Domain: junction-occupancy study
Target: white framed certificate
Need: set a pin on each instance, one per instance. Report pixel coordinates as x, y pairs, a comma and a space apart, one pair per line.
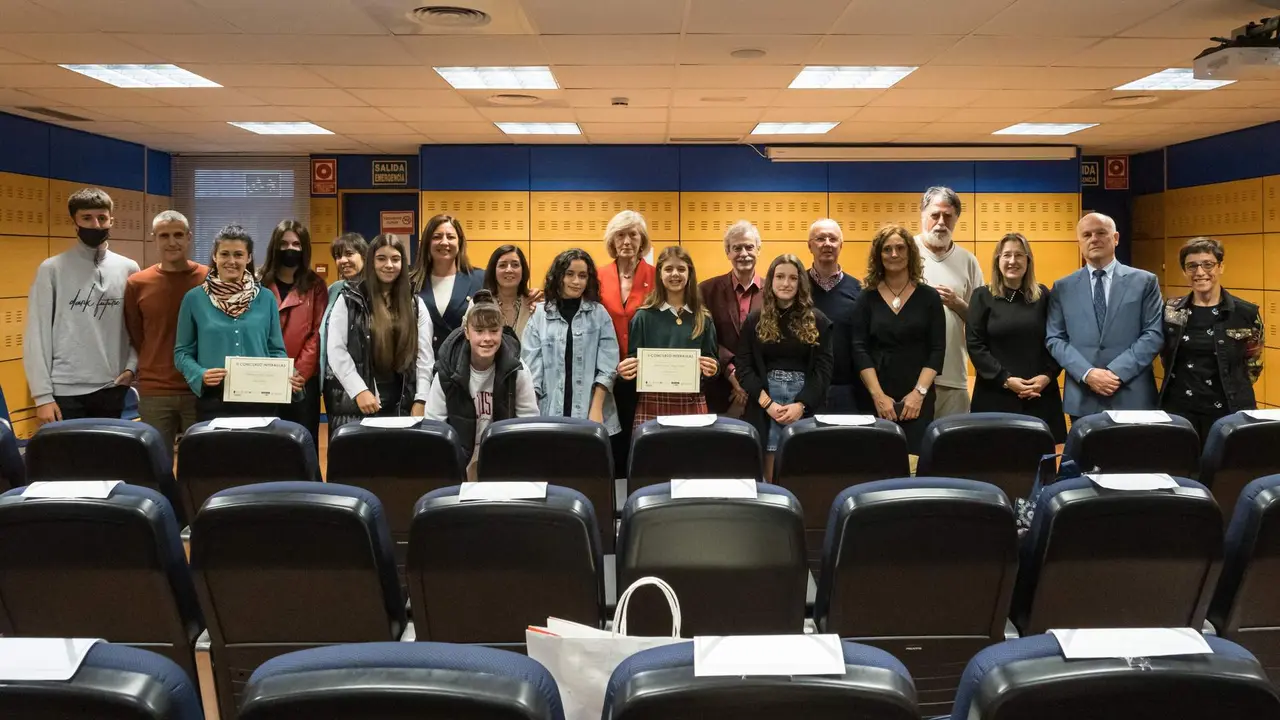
258, 380
668, 370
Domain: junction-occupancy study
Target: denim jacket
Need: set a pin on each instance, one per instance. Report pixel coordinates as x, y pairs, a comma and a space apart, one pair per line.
595, 360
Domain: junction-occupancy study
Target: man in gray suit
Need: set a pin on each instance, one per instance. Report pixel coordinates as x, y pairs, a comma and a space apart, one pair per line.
1105, 327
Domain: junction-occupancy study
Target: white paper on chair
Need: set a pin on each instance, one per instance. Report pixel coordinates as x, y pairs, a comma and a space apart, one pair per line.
241, 423
846, 419
96, 489
42, 658
686, 421
391, 422
1139, 417
1133, 481
702, 488
748, 655
1130, 642
1264, 414
502, 491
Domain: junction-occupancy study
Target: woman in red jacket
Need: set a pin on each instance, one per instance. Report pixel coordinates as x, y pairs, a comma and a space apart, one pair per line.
302, 298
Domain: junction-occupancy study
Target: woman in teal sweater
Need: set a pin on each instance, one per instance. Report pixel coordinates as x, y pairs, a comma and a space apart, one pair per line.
228, 315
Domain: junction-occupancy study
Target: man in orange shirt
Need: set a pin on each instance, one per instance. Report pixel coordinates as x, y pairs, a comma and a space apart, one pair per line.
151, 301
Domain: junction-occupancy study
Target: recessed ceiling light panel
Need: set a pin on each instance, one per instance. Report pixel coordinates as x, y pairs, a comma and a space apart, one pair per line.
143, 76
499, 78
1174, 79
515, 128
849, 77
1044, 128
794, 128
281, 128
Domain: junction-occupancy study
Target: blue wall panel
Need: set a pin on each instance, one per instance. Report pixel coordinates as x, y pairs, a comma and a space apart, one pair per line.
474, 167
96, 160
1249, 153
1146, 172
901, 176
739, 168
24, 146
604, 168
355, 172
159, 172
1039, 176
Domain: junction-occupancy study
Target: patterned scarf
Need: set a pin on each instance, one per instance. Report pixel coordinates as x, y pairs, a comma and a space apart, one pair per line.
232, 298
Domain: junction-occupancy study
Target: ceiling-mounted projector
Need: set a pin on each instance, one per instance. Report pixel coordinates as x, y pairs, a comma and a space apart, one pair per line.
1251, 53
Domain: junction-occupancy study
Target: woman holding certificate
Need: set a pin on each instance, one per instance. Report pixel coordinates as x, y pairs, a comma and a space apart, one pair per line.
673, 343
379, 342
785, 358
223, 324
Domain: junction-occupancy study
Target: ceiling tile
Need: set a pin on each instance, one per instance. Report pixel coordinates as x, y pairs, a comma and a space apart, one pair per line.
406, 77
527, 114
321, 114
814, 114
611, 49
718, 114
1136, 53
18, 97
735, 97
1011, 50
893, 97
1078, 18
763, 16
315, 97
107, 97
275, 49
604, 77
701, 129
603, 17
824, 98
450, 128
1027, 98
856, 129
1084, 115
943, 77
319, 17
442, 114
410, 98
368, 128
257, 113
495, 138
473, 50
779, 49
75, 48
880, 49
1163, 115
21, 16
899, 113
210, 97
958, 129
1198, 19
651, 139
1219, 99
733, 76
1007, 116
631, 115
916, 17
260, 76
216, 131
604, 98
151, 113
45, 76
7, 57
159, 16
644, 128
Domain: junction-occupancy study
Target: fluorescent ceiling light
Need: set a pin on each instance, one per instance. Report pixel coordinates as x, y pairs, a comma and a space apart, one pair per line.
1044, 128
1174, 79
514, 128
794, 128
499, 78
828, 77
143, 76
282, 128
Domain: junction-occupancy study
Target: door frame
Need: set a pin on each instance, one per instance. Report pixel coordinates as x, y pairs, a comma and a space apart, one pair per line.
342, 203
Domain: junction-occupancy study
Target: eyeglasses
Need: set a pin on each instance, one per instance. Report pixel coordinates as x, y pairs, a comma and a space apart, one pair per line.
1207, 266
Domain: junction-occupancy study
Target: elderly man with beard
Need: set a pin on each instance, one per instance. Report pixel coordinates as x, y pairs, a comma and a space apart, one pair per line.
955, 273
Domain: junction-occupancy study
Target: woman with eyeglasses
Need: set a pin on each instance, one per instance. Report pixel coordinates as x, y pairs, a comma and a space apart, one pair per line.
1213, 343
1006, 338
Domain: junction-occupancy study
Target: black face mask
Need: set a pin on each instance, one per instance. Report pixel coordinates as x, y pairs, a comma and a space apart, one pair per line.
290, 258
93, 237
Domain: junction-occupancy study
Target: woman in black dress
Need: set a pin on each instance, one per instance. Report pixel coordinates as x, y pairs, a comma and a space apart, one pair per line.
899, 334
1006, 331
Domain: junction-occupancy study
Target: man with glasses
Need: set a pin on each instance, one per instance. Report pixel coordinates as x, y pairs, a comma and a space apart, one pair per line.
835, 294
1104, 326
730, 298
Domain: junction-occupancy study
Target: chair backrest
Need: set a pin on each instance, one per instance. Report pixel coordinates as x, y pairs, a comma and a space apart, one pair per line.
1118, 558
1003, 449
483, 571
1097, 441
402, 681
660, 683
1028, 679
924, 568
13, 469
213, 459
1239, 450
110, 568
115, 682
817, 461
535, 448
737, 566
104, 449
727, 448
1245, 607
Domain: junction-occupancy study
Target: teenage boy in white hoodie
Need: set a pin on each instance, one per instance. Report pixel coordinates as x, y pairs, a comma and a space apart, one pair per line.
76, 350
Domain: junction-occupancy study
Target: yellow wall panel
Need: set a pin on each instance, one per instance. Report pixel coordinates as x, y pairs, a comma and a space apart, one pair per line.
322, 262
1039, 216
24, 423
153, 205
541, 253
14, 382
1173, 274
130, 205
1272, 389
478, 251
1271, 318
60, 224
1148, 217
22, 257
483, 215
324, 219
709, 260
1244, 266
1148, 255
1054, 260
24, 205
861, 215
132, 249
13, 321
1271, 203
1231, 208
1271, 261
778, 216
585, 215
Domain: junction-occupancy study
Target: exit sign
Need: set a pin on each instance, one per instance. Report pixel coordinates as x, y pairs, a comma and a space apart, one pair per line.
390, 173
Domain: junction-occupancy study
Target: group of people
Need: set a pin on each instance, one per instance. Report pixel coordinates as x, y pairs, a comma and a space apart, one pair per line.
437, 337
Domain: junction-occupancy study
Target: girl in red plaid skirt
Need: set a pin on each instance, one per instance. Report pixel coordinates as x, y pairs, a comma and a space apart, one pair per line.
672, 317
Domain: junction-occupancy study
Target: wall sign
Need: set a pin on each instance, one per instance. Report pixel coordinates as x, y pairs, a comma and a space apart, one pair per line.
1089, 173
396, 222
390, 173
324, 176
1117, 172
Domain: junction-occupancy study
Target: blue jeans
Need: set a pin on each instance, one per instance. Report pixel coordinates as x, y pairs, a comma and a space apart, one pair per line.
784, 386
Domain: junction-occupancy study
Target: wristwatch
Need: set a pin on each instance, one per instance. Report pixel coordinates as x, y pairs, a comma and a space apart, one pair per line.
924, 391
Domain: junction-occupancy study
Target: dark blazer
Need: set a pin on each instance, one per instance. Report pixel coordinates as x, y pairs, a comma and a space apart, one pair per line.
1240, 347
464, 286
750, 368
720, 298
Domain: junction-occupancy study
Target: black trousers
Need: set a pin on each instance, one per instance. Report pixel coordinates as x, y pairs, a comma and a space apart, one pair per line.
104, 403
306, 410
210, 405
624, 394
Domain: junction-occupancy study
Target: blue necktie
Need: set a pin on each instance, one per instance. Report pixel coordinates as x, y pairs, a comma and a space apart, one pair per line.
1099, 298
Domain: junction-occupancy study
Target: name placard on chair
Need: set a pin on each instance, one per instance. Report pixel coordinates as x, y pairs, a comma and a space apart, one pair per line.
241, 423
391, 422
481, 491
1138, 417
701, 488
55, 659
1094, 643
96, 489
1133, 481
786, 655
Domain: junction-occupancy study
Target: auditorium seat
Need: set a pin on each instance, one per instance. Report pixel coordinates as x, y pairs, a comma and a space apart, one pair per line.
1246, 607
727, 448
1028, 679
109, 568
1238, 450
1003, 449
401, 681
483, 571
214, 459
659, 684
284, 566
104, 449
1098, 443
923, 568
115, 682
399, 465
737, 566
817, 461
13, 469
1118, 558
570, 452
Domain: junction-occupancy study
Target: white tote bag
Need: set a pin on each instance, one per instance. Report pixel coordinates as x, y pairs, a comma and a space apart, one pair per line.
582, 658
